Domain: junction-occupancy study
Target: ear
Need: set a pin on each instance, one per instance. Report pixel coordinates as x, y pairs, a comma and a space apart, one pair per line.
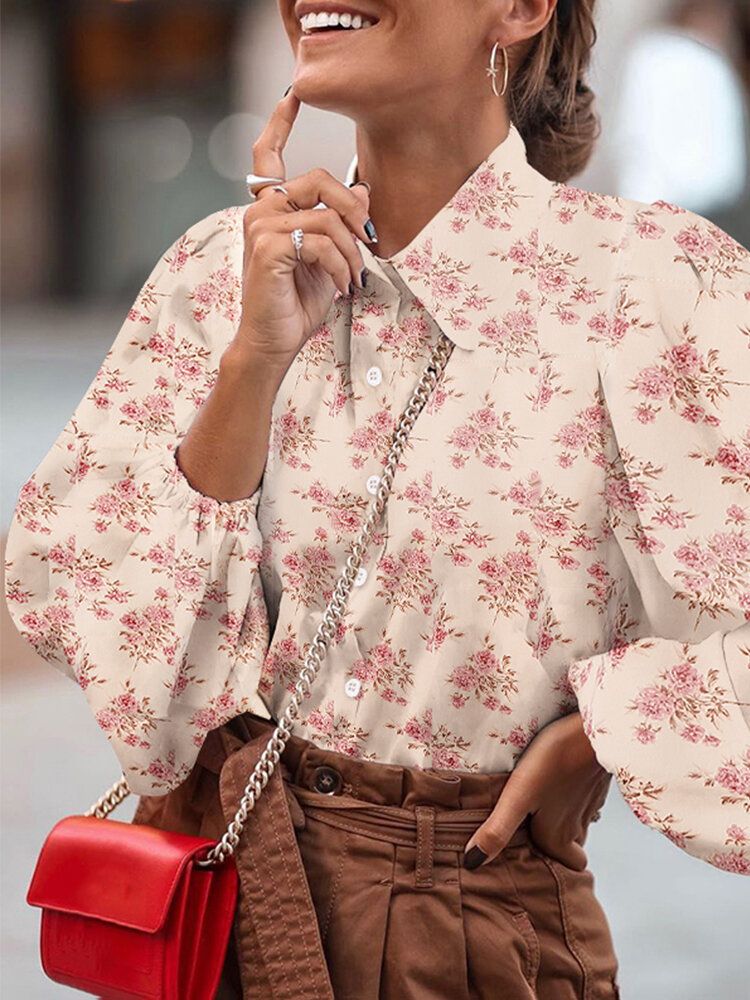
521, 20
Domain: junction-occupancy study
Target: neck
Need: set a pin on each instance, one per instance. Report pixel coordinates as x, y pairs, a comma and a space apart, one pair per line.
413, 172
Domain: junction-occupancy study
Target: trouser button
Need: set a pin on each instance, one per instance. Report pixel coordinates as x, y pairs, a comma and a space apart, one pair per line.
327, 780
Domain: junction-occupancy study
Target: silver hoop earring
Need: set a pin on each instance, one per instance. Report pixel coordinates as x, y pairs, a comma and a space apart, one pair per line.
492, 71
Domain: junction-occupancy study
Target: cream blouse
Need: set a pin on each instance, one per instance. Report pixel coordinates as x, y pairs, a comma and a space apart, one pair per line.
569, 527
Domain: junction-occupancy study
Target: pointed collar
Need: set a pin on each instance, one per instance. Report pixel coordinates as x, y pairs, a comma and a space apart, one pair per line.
454, 265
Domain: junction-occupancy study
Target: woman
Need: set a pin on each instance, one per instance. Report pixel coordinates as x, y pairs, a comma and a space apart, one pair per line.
558, 592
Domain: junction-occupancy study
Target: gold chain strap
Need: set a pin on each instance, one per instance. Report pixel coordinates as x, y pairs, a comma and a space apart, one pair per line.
270, 757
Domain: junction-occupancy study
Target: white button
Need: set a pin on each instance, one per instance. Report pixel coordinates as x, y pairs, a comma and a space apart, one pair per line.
372, 484
361, 576
352, 686
374, 375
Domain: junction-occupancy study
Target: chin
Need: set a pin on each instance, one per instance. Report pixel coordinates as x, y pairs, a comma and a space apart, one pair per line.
344, 95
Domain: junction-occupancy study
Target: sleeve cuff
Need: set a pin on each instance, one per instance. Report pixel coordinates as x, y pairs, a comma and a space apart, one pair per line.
206, 506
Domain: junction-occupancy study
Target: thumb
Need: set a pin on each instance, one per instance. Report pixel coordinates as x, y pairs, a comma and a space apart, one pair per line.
492, 836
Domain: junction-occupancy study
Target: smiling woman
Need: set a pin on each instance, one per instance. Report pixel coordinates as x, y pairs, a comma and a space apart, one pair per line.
443, 469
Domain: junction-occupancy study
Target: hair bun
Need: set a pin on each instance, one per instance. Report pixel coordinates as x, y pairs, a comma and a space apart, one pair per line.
551, 103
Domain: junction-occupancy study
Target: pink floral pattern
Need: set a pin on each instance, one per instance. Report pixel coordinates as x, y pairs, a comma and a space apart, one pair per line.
569, 526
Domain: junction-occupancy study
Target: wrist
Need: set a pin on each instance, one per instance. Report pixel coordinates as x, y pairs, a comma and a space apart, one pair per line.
256, 367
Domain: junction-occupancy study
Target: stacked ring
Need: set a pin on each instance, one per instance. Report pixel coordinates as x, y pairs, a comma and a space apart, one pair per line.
298, 236
255, 182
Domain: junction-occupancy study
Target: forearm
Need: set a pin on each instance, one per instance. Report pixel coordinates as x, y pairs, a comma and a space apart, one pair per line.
224, 452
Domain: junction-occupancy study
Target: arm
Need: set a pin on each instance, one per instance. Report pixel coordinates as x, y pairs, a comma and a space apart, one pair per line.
120, 572
667, 708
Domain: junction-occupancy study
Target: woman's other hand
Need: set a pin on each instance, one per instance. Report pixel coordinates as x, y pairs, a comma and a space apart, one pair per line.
285, 299
560, 782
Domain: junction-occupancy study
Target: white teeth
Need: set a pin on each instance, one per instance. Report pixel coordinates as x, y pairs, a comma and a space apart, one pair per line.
324, 19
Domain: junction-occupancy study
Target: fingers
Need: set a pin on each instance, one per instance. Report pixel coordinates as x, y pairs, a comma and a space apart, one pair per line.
275, 246
492, 836
268, 148
320, 249
330, 223
344, 255
352, 204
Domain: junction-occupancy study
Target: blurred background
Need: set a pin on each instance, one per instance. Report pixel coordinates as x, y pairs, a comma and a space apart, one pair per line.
124, 122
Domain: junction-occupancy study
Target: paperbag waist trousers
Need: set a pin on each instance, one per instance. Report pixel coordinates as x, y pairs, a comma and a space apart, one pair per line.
384, 909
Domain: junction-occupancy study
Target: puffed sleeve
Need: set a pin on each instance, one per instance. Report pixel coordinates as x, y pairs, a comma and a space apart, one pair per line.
667, 707
120, 574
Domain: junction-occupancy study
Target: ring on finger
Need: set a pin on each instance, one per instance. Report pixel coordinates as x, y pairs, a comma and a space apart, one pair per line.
364, 184
298, 237
256, 182
290, 200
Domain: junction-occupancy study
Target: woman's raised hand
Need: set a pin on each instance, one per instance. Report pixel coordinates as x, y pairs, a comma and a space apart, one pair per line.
285, 299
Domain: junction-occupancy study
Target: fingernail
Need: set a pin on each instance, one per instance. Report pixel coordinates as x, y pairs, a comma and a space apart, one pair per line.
371, 231
287, 90
474, 857
351, 288
363, 277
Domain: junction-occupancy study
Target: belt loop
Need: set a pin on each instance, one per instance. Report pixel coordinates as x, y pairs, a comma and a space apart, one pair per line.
425, 816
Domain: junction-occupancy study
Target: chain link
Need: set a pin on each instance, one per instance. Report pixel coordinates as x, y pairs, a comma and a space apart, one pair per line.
110, 800
271, 755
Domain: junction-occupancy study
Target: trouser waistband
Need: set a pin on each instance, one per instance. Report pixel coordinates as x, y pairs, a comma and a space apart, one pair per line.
376, 782
409, 806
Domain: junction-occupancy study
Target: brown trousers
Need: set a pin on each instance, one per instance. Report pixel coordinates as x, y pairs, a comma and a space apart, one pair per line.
352, 885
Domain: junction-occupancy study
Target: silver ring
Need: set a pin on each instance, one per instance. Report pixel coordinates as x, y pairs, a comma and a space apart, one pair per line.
298, 237
258, 182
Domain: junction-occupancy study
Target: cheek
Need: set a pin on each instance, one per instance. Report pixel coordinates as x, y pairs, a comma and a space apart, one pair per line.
443, 47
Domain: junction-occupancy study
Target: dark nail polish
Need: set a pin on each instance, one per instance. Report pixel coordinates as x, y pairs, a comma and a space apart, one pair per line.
371, 231
364, 277
474, 857
351, 288
287, 90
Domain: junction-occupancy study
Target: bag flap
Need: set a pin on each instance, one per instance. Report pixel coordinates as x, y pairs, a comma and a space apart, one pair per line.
123, 873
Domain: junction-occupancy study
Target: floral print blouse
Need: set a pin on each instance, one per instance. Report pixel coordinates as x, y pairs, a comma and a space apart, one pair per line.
569, 527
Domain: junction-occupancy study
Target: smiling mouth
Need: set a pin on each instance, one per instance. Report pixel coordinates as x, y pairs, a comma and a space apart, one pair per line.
335, 24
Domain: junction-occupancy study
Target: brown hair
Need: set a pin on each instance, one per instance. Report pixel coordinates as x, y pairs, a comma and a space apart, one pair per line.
550, 102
